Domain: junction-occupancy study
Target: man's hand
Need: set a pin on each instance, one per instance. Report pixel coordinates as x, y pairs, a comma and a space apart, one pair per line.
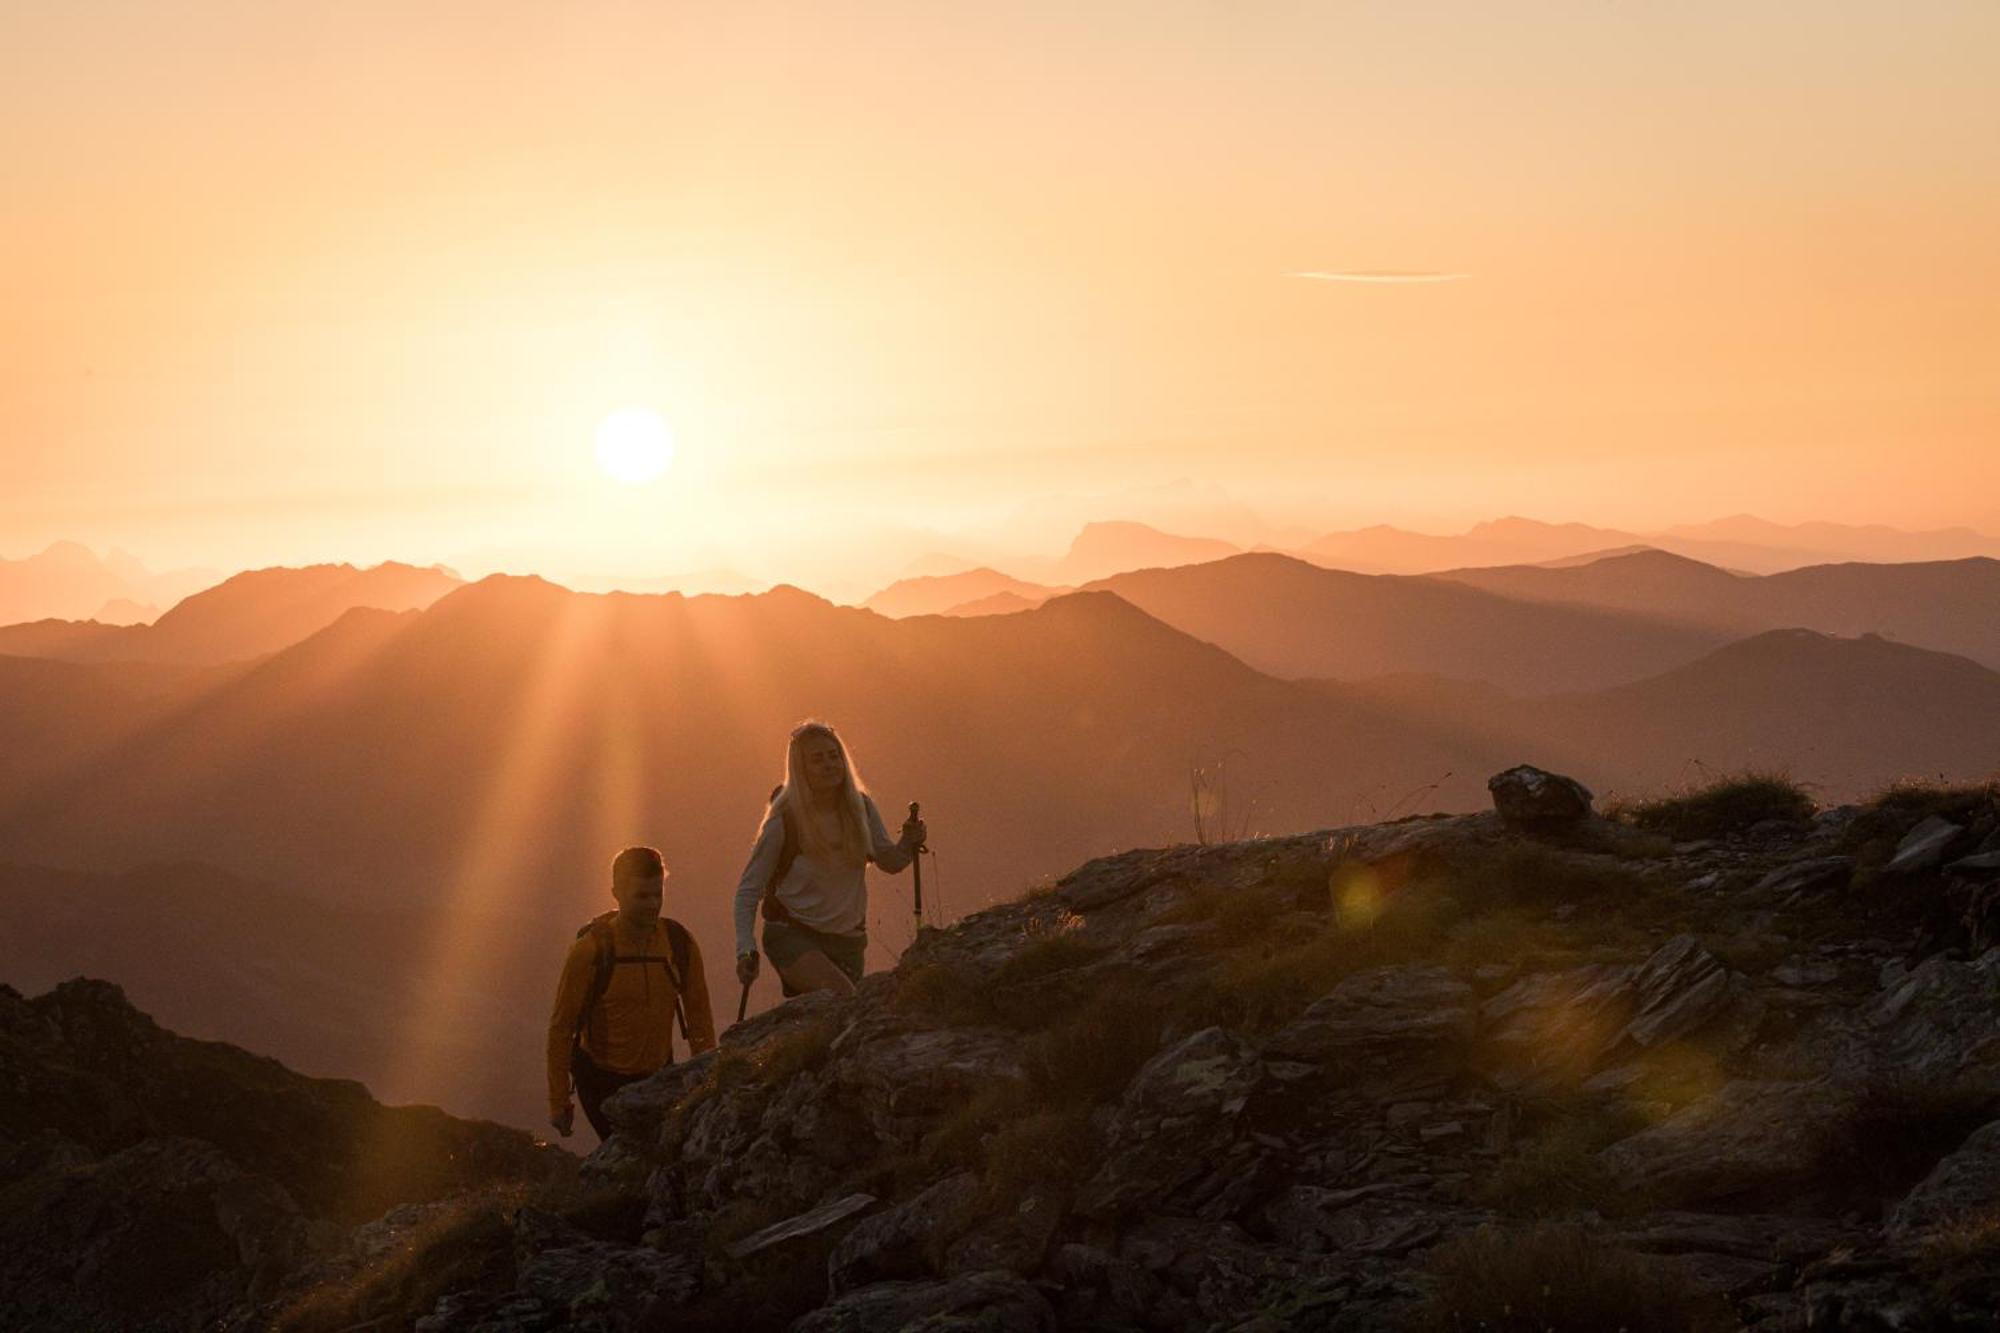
565, 1124
914, 834
746, 967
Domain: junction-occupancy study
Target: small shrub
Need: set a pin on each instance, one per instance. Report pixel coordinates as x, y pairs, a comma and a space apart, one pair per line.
1236, 913
946, 995
791, 1052
1049, 1147
959, 1141
1898, 1129
1052, 948
1727, 806
782, 1056
1267, 981
1961, 1262
1530, 874
1553, 1278
467, 1242
1093, 1053
1886, 816
1554, 1168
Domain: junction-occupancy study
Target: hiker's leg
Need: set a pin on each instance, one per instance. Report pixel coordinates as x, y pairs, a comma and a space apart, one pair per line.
591, 1090
813, 970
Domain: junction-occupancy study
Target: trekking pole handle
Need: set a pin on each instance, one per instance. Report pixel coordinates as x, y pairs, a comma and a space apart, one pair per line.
917, 870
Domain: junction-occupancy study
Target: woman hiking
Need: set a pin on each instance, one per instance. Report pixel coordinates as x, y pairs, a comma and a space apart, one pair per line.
807, 869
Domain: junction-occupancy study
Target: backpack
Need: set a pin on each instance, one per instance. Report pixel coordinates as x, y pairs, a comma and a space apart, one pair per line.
679, 944
772, 909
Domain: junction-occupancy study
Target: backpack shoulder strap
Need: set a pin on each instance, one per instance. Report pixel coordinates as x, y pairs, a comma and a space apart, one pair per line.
598, 928
679, 946
788, 852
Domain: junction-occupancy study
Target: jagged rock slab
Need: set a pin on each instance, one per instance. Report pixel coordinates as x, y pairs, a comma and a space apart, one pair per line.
808, 1223
1678, 990
1964, 1187
988, 1302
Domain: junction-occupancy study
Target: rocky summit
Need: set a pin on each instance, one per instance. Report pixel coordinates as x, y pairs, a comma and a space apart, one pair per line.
1716, 1062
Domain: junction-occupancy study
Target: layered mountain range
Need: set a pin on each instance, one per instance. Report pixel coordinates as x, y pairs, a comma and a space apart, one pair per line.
433, 792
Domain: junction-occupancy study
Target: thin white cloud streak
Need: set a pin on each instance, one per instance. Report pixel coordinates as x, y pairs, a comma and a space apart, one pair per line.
1378, 275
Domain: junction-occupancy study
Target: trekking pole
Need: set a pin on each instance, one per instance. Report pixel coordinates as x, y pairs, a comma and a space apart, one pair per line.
917, 869
743, 1005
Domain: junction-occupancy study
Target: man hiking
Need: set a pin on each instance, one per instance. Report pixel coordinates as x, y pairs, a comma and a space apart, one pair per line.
630, 978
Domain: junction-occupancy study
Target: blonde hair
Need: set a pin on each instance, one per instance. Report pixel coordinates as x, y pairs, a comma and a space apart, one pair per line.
854, 844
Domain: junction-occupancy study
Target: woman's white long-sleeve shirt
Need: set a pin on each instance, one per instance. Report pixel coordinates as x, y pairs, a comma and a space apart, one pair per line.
830, 898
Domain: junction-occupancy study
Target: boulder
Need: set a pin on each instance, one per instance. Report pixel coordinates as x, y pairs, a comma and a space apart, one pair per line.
601, 1286
901, 1082
1936, 1025
169, 1233
1923, 847
1385, 1011
1964, 1187
988, 1302
1749, 1138
1175, 1124
1535, 800
906, 1241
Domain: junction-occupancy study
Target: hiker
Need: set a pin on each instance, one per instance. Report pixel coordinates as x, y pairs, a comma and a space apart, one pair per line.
631, 976
806, 871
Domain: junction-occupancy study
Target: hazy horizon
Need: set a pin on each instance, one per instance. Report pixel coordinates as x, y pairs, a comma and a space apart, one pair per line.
364, 283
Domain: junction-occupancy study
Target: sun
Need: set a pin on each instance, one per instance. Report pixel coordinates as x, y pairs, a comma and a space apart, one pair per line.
635, 445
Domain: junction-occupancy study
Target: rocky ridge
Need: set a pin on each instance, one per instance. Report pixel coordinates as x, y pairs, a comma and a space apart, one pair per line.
1722, 1063
1368, 1078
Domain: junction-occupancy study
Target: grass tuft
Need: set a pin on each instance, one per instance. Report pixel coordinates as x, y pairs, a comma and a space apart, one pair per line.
1730, 805
1890, 813
1555, 1278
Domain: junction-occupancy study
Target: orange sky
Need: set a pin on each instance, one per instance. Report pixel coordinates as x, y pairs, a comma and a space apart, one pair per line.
303, 281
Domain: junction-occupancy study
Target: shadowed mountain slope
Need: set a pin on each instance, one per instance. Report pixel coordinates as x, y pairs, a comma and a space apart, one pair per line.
1297, 620
1952, 606
474, 766
1843, 713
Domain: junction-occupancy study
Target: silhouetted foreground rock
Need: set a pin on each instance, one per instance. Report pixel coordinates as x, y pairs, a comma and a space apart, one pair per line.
1439, 1073
152, 1181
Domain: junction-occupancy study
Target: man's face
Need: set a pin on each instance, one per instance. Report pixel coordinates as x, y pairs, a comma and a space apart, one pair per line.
639, 898
825, 769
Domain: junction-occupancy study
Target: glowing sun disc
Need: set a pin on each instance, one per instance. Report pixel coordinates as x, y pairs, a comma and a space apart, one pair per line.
634, 444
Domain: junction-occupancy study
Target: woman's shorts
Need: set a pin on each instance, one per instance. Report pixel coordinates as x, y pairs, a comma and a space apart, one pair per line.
785, 942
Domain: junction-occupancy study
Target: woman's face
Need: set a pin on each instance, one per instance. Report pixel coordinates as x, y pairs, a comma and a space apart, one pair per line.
826, 770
